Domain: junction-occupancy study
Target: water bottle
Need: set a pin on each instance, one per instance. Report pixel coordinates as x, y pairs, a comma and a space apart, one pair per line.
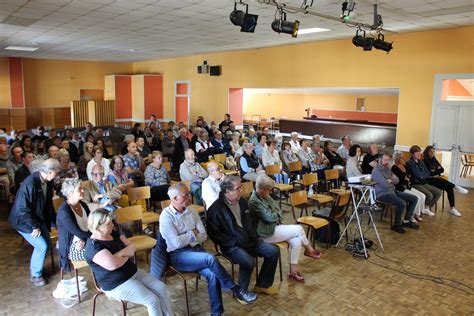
310, 191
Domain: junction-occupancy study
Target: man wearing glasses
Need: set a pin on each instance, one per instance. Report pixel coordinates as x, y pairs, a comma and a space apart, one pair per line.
231, 226
100, 193
211, 185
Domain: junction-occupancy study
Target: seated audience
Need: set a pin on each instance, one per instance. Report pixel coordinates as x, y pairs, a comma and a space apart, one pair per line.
181, 145
234, 143
97, 159
261, 146
134, 163
343, 150
157, 178
14, 163
101, 193
250, 167
53, 151
220, 144
321, 162
385, 191
184, 233
204, 147
353, 168
142, 148
84, 160
231, 226
67, 169
23, 172
4, 178
305, 156
211, 185
26, 144
39, 150
88, 131
370, 158
152, 140
295, 142
271, 157
227, 121
71, 222
288, 156
110, 257
271, 229
136, 130
119, 176
71, 148
100, 143
335, 161
193, 172
31, 215
252, 136
168, 143
404, 185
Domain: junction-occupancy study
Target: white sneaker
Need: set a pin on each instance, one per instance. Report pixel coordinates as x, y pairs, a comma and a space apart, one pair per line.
454, 212
461, 189
427, 211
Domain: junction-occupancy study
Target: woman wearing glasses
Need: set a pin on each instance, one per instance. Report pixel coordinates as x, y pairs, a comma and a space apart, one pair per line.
98, 159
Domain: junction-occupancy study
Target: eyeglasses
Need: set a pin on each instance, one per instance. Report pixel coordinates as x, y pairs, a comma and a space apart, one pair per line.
98, 174
239, 188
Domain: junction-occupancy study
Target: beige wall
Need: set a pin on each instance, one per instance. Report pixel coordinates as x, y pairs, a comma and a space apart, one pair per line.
293, 105
5, 96
54, 83
411, 67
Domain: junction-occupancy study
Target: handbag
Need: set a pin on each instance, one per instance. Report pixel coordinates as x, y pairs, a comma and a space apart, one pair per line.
67, 291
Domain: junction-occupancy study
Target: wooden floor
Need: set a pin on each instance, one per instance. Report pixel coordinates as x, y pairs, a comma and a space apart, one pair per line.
337, 284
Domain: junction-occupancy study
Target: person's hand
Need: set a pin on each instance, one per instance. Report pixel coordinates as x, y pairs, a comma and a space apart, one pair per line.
36, 233
97, 197
195, 232
80, 245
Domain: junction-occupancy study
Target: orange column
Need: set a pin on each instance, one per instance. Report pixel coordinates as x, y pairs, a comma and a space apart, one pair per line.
123, 97
153, 96
17, 92
236, 105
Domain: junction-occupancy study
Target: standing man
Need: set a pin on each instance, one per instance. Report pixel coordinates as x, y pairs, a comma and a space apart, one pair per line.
31, 215
211, 185
231, 226
385, 191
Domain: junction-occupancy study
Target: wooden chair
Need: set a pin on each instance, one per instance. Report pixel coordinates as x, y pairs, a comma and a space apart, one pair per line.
300, 199
311, 179
295, 168
134, 214
247, 189
198, 208
232, 263
281, 245
221, 158
467, 162
76, 265
279, 187
185, 276
143, 194
332, 182
57, 201
385, 208
167, 166
336, 212
100, 292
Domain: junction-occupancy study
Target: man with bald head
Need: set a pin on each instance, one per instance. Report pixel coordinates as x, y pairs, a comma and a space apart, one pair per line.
101, 193
211, 185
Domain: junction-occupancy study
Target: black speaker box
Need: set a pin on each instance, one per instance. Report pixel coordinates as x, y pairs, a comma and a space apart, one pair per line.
215, 70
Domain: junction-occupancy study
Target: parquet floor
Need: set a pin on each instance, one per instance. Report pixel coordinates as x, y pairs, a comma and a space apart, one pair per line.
337, 284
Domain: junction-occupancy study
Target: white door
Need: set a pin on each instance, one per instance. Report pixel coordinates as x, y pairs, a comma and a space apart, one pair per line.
446, 123
466, 129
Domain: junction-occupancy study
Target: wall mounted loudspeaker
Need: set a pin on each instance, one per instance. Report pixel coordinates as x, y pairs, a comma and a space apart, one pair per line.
203, 69
215, 71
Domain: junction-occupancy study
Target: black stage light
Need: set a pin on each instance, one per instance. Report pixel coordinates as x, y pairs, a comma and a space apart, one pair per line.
381, 44
362, 41
246, 21
281, 25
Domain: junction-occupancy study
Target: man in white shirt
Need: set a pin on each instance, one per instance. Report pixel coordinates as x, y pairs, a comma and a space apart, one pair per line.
183, 231
211, 185
295, 142
343, 150
193, 172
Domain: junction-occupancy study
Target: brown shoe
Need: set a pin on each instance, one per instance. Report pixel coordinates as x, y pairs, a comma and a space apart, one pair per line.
315, 254
296, 276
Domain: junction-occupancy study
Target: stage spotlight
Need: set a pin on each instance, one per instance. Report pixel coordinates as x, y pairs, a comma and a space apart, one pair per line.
281, 25
246, 21
381, 44
361, 41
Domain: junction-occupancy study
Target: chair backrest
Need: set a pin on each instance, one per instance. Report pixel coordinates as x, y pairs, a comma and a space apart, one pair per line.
187, 183
339, 206
310, 179
57, 202
165, 204
129, 214
140, 193
295, 166
331, 174
85, 184
167, 165
299, 197
247, 189
220, 158
272, 169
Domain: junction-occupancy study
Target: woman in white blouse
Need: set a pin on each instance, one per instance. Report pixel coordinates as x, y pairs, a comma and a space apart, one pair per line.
270, 156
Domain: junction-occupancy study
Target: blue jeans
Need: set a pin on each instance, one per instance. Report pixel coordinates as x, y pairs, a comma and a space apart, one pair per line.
196, 190
281, 177
400, 200
196, 259
40, 245
245, 258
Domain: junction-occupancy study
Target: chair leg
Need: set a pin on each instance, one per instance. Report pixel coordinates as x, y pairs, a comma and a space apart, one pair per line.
61, 273
442, 202
186, 297
345, 224
94, 300
281, 270
124, 308
52, 258
328, 238
76, 274
256, 268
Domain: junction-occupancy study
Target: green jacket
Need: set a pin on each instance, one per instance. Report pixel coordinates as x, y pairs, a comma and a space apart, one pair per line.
267, 213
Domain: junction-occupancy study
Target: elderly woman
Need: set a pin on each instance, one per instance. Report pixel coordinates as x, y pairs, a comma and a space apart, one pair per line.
157, 178
98, 159
109, 256
72, 223
100, 192
234, 143
306, 156
271, 230
288, 156
271, 157
84, 160
119, 176
250, 167
404, 185
67, 169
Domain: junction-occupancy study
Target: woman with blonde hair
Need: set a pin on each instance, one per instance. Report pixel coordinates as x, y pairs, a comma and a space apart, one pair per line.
67, 169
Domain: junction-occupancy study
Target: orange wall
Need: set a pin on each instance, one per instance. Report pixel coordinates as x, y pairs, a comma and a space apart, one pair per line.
123, 97
5, 96
293, 105
54, 83
153, 90
411, 67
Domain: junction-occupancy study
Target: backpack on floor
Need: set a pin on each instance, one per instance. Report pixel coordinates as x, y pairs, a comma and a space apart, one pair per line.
322, 233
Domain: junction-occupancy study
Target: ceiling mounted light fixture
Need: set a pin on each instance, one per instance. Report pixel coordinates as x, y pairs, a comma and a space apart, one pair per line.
381, 44
246, 21
22, 48
361, 41
281, 25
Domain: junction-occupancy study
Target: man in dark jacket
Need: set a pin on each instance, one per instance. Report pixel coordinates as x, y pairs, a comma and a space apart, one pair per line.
181, 145
231, 226
31, 215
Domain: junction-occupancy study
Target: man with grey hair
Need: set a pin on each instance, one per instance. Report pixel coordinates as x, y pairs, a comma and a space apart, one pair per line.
231, 226
101, 193
211, 185
32, 212
343, 150
193, 172
184, 233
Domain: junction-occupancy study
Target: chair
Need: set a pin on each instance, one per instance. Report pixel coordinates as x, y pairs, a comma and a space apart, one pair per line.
76, 265
167, 166
295, 167
232, 263
57, 201
247, 189
279, 187
300, 199
385, 208
281, 245
143, 194
185, 276
134, 214
198, 208
100, 292
311, 179
336, 212
332, 179
221, 158
467, 162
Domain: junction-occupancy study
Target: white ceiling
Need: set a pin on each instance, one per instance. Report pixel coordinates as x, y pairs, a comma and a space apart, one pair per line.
134, 30
354, 90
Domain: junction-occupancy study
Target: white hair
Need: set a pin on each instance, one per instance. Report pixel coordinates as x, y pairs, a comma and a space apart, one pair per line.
264, 182
175, 190
48, 165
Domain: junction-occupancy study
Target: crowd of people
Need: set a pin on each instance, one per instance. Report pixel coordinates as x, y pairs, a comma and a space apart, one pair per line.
33, 169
